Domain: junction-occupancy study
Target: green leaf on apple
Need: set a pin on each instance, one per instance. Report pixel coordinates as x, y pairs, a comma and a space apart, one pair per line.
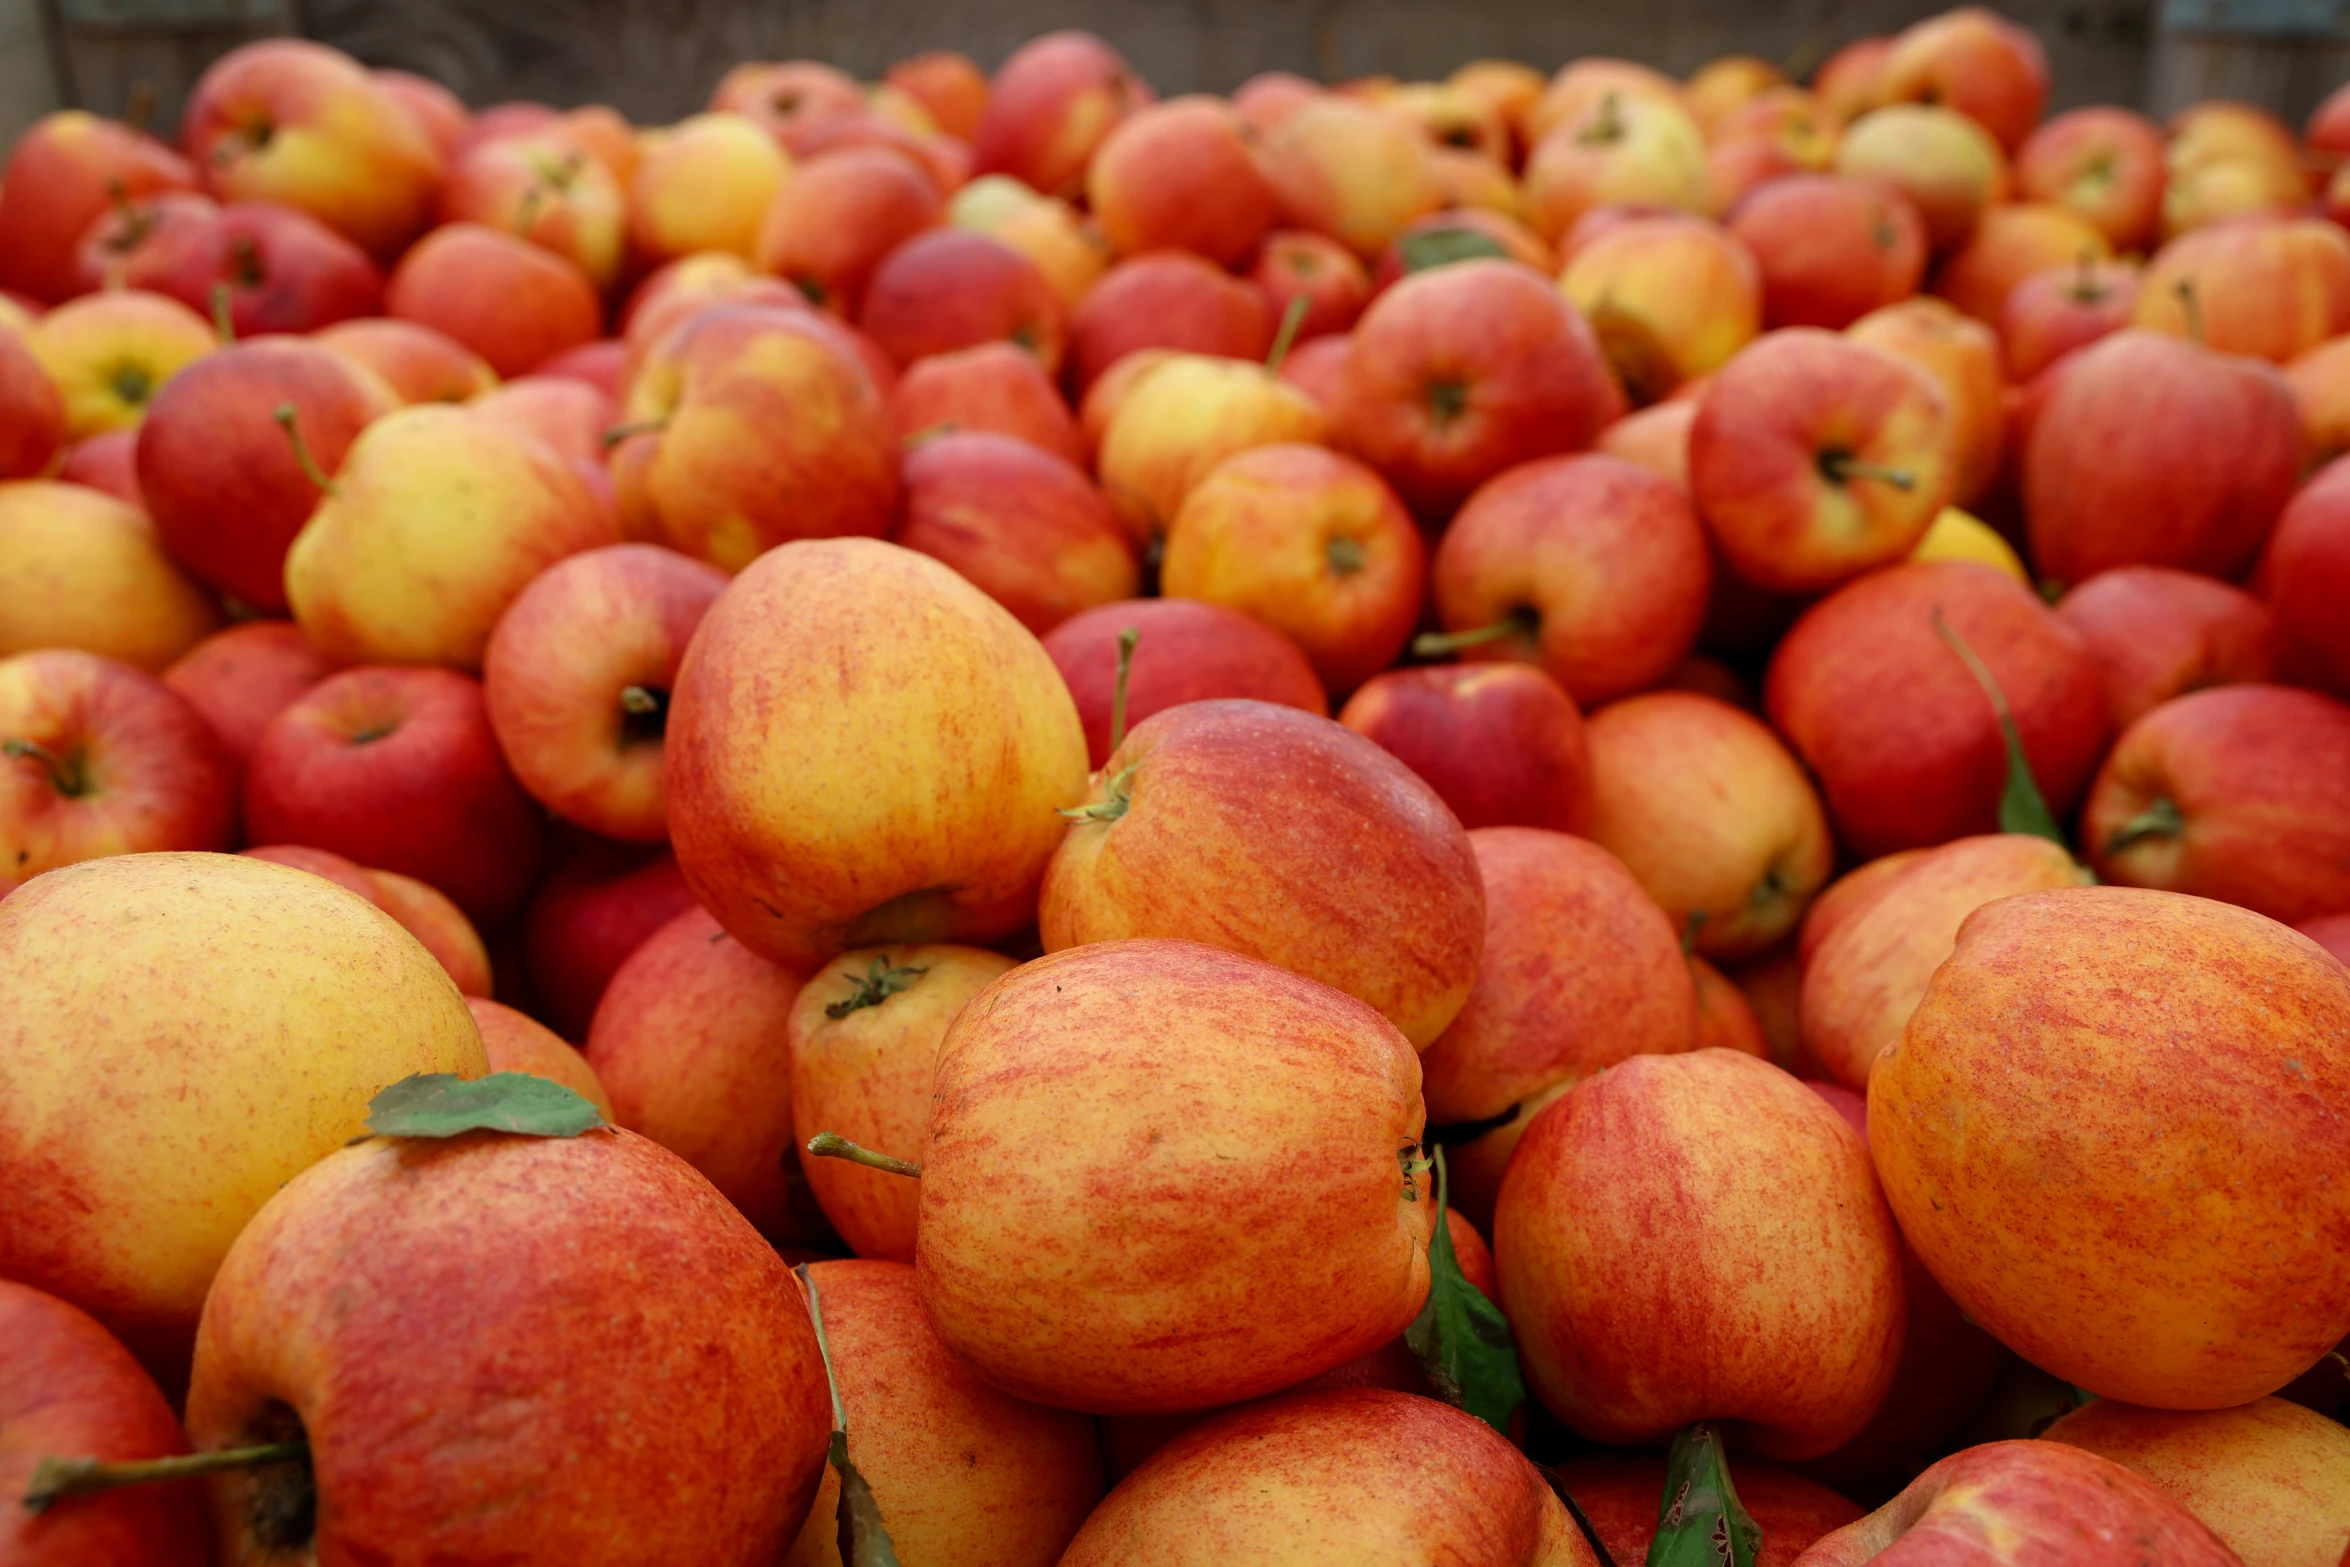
1463, 1342
1699, 1520
1443, 246
2022, 808
442, 1104
862, 1539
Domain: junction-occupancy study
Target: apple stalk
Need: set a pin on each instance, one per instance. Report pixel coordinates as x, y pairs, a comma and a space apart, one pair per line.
56, 1478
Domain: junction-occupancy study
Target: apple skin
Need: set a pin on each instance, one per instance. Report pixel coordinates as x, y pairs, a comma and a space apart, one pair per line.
1300, 264
514, 303
2051, 313
2257, 779
993, 387
598, 364
146, 773
1283, 836
1670, 296
1291, 1181
704, 184
1618, 1492
942, 682
947, 84
110, 353
2268, 288
2306, 571
59, 179
1183, 416
1523, 1039
838, 216
1974, 60
1945, 163
218, 473
1962, 355
285, 271
2158, 633
1180, 175
419, 364
1713, 815
502, 1443
1048, 107
1783, 1230
81, 569
2177, 1200
241, 677
600, 903
1500, 744
586, 630
1362, 1474
1025, 527
106, 463
2041, 1501
1050, 232
1185, 651
1628, 150
950, 288
73, 1390
2105, 163
548, 189
2010, 243
1905, 746
433, 918
1349, 170
1462, 371
2320, 380
32, 413
1865, 978
159, 997
1655, 438
1831, 249
399, 768
1169, 300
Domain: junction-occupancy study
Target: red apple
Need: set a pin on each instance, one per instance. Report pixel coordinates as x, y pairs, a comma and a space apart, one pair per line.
1048, 107
1024, 526
2157, 633
1975, 61
61, 176
1180, 175
32, 414
2306, 572
596, 364
838, 216
2051, 313
548, 189
1501, 744
1318, 368
107, 462
1173, 300
591, 912
948, 85
950, 288
2010, 243
2330, 931
1185, 651
1298, 264
419, 364
994, 387
508, 300
2105, 164
240, 678
283, 270
441, 112
1831, 249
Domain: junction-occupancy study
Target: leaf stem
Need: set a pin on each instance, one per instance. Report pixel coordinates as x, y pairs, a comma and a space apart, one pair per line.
831, 1145
54, 1478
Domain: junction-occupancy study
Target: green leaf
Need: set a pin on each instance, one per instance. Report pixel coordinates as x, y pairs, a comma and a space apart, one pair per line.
1442, 247
862, 1539
441, 1104
2022, 808
1462, 1340
1700, 1521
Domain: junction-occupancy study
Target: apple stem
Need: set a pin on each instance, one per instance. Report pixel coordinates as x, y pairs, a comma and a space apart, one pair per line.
1114, 803
1291, 319
61, 1477
2159, 820
64, 776
290, 422
929, 432
831, 1145
621, 432
222, 322
1843, 468
1126, 642
1436, 644
2191, 307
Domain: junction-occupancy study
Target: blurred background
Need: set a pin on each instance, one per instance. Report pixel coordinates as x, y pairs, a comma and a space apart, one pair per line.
656, 60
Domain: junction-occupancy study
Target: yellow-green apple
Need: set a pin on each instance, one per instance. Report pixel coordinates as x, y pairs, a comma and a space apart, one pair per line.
1620, 1493
1280, 835
433, 918
1170, 300
436, 519
1618, 149
98, 758
399, 768
549, 190
1831, 249
2270, 1478
1025, 527
2157, 633
2012, 241
1846, 81
1501, 744
1709, 811
1185, 651
599, 904
1581, 84
704, 183
837, 216
1462, 371
2183, 1200
2104, 163
690, 1040
950, 288
1348, 170
1593, 568
1299, 264
284, 271
63, 174
2227, 160
864, 1037
2027, 1501
241, 677
440, 112
69, 1389
1523, 1039
227, 491
2270, 287
1782, 1229
524, 1432
81, 569
419, 364
1048, 107
995, 387
1905, 744
950, 88
111, 353
2149, 450
1963, 356
1185, 416
1073, 1273
850, 657
1790, 118
517, 1042
1309, 542
1866, 976
1669, 297
2320, 380
158, 997
1181, 175
1815, 457
32, 413
515, 303
1356, 1474
2051, 313
1975, 61
1656, 439
1943, 161
1063, 243
297, 123
2237, 793
959, 1472
2304, 574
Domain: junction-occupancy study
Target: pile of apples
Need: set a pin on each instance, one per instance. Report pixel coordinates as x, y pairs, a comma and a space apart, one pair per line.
679, 889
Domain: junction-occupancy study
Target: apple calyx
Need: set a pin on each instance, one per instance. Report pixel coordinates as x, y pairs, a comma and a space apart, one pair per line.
137, 221
1447, 401
831, 1145
57, 1478
1838, 466
2086, 290
2022, 808
66, 774
247, 261
290, 422
861, 1538
622, 431
1291, 319
132, 384
876, 985
1519, 622
1115, 800
1346, 556
2162, 819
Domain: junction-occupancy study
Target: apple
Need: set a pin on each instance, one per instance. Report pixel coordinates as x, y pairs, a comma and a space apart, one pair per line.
1831, 249
1905, 745
2308, 562
1299, 264
433, 918
1722, 86
157, 998
2051, 313
1974, 61
1943, 161
440, 112
599, 903
1185, 651
1170, 300
1024, 526
1048, 107
419, 364
1629, 149
513, 302
1656, 439
549, 190
993, 387
2272, 288
284, 270
949, 87
2010, 243
2046, 1028
837, 217
2157, 633
290, 121
1501, 744
1180, 175
1318, 368
1620, 1494
333, 867
1796, 121
1348, 170
1581, 85
107, 463
1277, 834
32, 413
1182, 418
2105, 164
111, 353
61, 176
81, 569
784, 95
2320, 380
398, 768
1050, 232
705, 183
498, 1241
1963, 357
2228, 160
570, 415
1669, 297
241, 677
1511, 87
1269, 97
597, 364
1516, 241
949, 288
1846, 81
